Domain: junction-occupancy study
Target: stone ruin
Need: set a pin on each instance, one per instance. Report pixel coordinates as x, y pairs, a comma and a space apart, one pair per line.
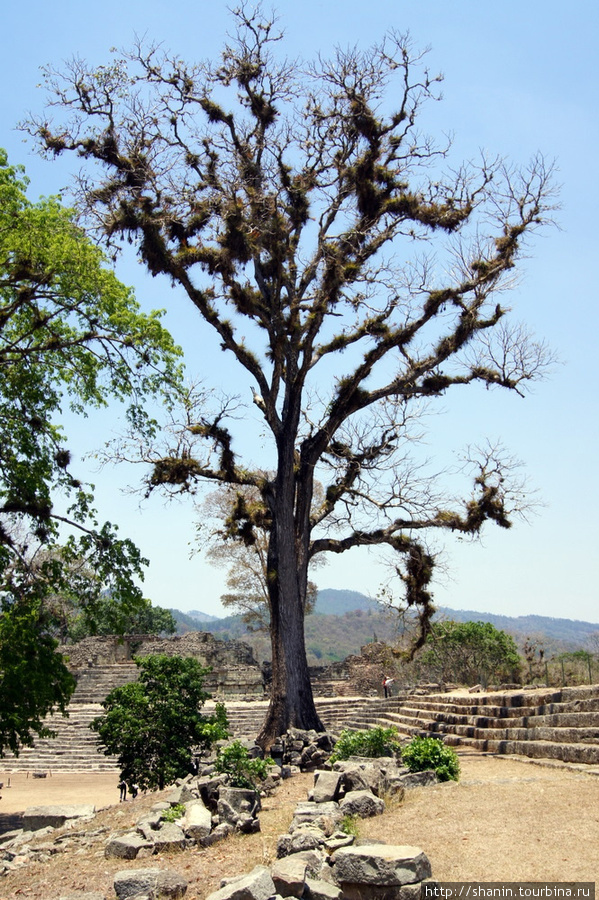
235, 671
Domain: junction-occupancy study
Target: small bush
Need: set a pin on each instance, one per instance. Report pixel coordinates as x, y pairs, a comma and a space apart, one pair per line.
372, 742
174, 813
431, 753
349, 825
243, 771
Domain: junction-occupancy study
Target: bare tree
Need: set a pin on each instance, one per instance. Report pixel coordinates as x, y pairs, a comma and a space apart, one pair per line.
348, 271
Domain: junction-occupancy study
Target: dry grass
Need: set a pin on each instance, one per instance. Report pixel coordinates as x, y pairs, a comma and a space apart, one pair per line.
505, 820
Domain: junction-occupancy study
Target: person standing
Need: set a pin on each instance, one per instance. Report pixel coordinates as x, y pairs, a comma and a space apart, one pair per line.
123, 790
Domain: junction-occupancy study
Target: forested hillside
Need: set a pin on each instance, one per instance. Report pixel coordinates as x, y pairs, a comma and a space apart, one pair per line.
343, 621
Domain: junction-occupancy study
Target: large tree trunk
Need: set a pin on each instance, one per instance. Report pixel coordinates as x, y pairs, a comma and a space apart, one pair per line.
291, 701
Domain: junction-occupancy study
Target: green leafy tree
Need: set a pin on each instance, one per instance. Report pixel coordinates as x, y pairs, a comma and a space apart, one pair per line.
70, 335
106, 617
154, 725
300, 208
34, 679
471, 652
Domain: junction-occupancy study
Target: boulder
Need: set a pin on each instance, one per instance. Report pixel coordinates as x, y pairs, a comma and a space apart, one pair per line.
159, 884
418, 779
37, 817
321, 890
289, 876
126, 846
308, 837
326, 787
325, 816
379, 865
169, 838
181, 794
258, 885
232, 802
208, 787
197, 821
362, 803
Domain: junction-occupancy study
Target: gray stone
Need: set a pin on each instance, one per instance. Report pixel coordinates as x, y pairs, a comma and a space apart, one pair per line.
237, 800
362, 803
326, 787
308, 837
381, 865
289, 876
315, 861
158, 884
37, 817
197, 821
324, 815
181, 794
418, 779
258, 885
169, 837
151, 819
338, 840
316, 889
208, 788
218, 834
248, 824
126, 846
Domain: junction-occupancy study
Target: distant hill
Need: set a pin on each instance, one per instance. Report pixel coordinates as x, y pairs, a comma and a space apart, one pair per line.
343, 621
335, 603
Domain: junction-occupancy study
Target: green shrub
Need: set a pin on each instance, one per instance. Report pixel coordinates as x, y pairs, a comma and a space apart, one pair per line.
349, 825
174, 813
372, 742
243, 771
431, 753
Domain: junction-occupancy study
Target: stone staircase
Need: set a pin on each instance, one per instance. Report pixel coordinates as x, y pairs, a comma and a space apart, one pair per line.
74, 749
542, 724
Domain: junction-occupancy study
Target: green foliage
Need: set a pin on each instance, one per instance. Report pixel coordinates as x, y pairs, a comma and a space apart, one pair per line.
424, 753
243, 771
471, 652
174, 813
349, 825
374, 742
154, 725
70, 335
34, 678
107, 616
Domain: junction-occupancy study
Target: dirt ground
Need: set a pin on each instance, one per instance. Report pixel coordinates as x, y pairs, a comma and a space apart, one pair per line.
506, 820
99, 789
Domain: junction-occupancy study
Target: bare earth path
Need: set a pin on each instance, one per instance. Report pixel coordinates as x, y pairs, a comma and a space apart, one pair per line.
506, 820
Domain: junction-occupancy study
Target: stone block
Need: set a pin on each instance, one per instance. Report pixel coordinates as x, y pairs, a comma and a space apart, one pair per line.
37, 817
258, 885
169, 838
289, 876
362, 803
197, 821
379, 865
326, 787
160, 884
126, 846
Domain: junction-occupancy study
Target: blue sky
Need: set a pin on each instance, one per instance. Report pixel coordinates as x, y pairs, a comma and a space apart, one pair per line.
517, 80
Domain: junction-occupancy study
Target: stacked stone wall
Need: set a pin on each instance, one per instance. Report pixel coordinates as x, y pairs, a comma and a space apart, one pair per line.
235, 671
